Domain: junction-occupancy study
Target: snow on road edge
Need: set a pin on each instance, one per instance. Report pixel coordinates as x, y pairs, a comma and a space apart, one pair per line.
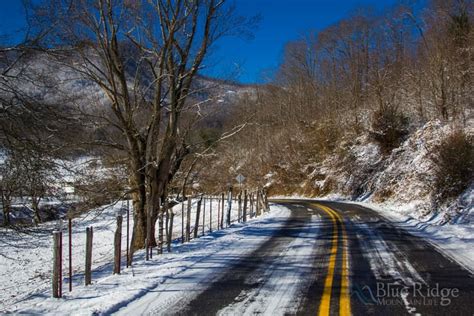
453, 240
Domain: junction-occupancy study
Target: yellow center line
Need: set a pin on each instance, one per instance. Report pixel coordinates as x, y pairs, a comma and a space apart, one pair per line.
325, 304
344, 299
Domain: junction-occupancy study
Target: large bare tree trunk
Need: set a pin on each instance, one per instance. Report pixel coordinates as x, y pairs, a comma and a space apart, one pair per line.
139, 226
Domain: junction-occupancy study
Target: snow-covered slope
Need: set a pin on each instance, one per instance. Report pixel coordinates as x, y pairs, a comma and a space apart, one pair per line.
403, 179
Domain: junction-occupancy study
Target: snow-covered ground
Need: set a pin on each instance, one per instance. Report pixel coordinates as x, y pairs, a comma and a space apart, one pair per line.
26, 255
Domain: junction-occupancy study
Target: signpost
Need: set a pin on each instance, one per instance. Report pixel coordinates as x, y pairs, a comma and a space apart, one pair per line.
240, 179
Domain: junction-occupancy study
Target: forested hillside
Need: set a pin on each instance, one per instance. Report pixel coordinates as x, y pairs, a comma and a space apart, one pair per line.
377, 105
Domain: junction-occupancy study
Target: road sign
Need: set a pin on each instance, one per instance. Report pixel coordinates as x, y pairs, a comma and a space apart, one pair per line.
240, 178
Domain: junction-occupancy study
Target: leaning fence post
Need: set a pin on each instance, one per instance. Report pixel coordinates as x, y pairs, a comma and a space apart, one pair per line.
88, 272
56, 263
117, 245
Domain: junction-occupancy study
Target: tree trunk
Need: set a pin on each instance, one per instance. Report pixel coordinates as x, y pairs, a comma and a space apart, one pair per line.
118, 245
139, 224
6, 212
137, 183
35, 207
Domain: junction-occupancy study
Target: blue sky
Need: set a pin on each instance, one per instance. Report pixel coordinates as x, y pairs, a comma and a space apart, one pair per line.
242, 59
283, 20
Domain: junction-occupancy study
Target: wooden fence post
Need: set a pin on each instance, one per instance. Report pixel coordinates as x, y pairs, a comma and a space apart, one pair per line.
161, 232
128, 232
198, 214
118, 245
61, 263
254, 206
222, 210
188, 221
251, 204
56, 263
182, 222
239, 211
171, 220
88, 269
218, 213
244, 215
70, 251
166, 212
210, 213
229, 207
257, 206
203, 214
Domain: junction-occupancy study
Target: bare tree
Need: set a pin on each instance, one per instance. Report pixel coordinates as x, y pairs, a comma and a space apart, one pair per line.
144, 57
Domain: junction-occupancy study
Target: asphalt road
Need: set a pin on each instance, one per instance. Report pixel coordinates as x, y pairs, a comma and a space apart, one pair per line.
361, 264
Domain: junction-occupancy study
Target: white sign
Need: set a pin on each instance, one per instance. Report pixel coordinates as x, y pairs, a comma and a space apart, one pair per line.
240, 178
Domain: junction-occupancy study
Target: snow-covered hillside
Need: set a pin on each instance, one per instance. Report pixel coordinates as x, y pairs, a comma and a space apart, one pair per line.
402, 181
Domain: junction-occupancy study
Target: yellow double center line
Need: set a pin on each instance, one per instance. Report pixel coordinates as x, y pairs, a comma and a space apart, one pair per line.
344, 299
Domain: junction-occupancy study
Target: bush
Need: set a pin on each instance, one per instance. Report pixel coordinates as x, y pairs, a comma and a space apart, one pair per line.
454, 164
389, 128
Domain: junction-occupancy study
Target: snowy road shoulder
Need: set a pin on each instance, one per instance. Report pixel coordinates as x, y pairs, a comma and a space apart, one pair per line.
165, 280
455, 241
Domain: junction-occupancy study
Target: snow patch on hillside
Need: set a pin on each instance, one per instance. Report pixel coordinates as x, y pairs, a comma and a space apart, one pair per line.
404, 178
